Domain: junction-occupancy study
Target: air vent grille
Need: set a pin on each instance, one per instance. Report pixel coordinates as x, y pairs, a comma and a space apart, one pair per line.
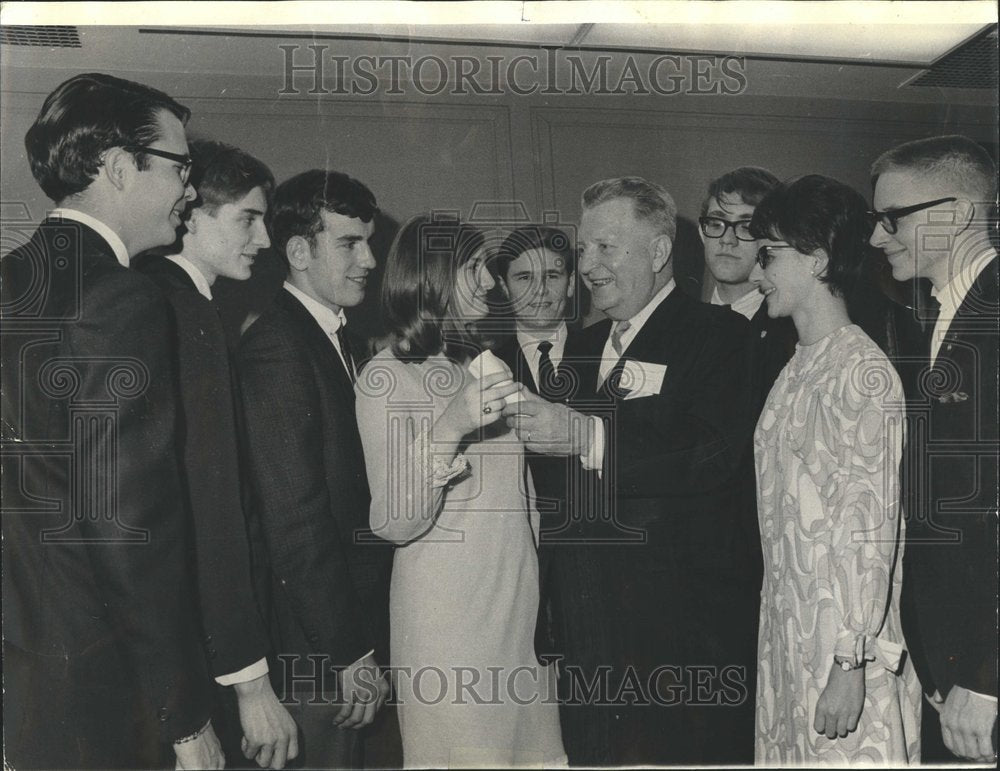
47, 37
973, 65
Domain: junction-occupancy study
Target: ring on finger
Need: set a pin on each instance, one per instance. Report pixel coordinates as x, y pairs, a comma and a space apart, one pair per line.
487, 410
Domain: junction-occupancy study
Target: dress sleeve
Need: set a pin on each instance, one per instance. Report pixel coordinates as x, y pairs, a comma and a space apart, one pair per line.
854, 474
408, 479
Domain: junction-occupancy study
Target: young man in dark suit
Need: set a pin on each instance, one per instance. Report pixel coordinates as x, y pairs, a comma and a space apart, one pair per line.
536, 269
223, 232
325, 574
103, 663
935, 213
663, 382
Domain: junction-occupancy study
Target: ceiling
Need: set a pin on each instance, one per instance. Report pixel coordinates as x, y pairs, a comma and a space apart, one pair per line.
877, 53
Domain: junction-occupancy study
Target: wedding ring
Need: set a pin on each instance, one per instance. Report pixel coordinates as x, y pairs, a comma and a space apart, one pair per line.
487, 410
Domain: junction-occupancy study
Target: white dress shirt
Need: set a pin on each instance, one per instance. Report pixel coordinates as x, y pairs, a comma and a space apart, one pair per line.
105, 232
746, 306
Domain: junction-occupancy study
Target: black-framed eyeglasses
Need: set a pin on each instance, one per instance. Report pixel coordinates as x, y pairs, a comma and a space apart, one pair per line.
713, 227
766, 253
185, 161
888, 218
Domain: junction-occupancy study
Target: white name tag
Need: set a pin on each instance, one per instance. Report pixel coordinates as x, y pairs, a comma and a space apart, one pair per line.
642, 378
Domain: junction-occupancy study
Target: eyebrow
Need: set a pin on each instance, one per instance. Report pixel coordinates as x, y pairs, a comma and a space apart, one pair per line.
718, 214
252, 211
351, 239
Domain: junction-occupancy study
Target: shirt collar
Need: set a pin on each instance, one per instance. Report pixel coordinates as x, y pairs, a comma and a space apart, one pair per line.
746, 306
105, 232
953, 294
328, 320
200, 282
528, 339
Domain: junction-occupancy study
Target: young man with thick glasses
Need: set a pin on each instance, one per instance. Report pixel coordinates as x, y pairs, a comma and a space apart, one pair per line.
935, 215
103, 658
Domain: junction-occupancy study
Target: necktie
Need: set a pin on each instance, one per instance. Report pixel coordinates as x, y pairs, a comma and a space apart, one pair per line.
345, 350
616, 335
547, 385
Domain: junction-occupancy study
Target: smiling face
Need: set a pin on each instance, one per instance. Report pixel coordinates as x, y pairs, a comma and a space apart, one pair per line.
729, 259
623, 259
787, 282
333, 266
538, 287
156, 196
225, 242
920, 247
472, 284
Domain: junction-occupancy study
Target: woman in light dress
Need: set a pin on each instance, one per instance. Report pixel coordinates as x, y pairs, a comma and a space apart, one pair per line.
450, 487
833, 683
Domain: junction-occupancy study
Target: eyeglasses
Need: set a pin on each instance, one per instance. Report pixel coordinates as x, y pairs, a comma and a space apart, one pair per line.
713, 227
185, 161
766, 253
888, 218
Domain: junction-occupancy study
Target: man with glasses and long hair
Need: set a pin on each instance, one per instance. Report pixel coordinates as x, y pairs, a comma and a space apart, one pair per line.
935, 218
103, 658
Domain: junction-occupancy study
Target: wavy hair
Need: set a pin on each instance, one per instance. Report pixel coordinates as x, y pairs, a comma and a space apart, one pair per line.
418, 290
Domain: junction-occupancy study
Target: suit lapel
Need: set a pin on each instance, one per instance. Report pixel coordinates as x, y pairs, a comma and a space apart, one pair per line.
319, 341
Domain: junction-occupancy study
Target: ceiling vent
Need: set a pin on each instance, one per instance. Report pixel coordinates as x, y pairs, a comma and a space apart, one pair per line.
972, 65
47, 37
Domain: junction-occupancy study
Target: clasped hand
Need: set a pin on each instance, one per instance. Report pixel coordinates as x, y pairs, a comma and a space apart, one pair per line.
548, 428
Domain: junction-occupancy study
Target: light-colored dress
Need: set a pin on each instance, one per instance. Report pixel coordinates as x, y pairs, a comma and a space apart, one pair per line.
827, 449
464, 593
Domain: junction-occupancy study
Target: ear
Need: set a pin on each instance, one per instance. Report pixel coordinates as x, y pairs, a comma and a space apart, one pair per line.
571, 286
821, 260
965, 210
299, 252
193, 219
118, 166
661, 247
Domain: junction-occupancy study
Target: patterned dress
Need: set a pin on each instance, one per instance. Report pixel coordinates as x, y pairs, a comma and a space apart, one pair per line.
827, 450
464, 593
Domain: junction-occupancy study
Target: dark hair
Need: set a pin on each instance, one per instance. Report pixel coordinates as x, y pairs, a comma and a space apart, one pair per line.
83, 118
223, 174
418, 288
530, 237
955, 162
815, 212
750, 183
651, 202
300, 201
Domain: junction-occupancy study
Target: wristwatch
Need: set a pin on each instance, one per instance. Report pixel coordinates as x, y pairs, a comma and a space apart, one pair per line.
846, 664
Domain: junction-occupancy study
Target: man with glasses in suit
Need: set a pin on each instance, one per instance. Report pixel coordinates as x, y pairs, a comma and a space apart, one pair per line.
935, 218
103, 663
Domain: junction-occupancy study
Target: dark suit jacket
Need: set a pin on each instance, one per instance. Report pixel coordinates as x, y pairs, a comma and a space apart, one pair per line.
323, 573
234, 633
97, 595
950, 484
673, 565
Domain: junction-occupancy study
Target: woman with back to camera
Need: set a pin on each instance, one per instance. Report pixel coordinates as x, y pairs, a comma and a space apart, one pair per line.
833, 683
449, 486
